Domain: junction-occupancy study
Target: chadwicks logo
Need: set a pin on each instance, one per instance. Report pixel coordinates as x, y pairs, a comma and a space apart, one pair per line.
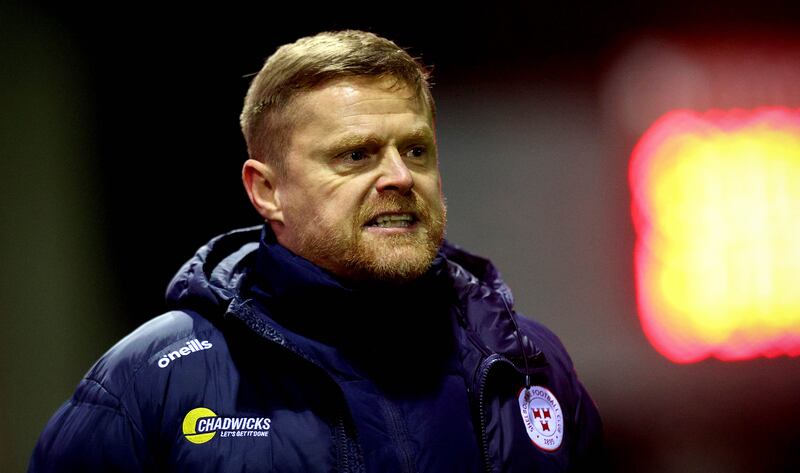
191, 347
201, 424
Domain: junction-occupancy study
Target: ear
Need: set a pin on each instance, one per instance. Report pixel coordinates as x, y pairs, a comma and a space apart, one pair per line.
259, 181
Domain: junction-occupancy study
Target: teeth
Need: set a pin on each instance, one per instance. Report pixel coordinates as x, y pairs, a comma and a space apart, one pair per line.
401, 220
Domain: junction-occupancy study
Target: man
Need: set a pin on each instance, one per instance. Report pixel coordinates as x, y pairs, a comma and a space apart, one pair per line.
345, 334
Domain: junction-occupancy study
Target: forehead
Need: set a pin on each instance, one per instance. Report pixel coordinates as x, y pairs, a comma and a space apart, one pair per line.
343, 99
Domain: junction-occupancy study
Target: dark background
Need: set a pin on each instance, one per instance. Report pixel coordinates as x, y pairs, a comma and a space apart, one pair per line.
120, 154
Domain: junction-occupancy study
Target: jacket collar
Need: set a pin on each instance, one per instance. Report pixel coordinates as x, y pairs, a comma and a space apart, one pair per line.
287, 275
311, 301
213, 278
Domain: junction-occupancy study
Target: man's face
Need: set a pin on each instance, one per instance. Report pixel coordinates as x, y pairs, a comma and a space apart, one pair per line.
362, 193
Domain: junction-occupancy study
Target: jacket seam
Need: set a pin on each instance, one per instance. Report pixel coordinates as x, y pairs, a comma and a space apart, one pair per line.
120, 405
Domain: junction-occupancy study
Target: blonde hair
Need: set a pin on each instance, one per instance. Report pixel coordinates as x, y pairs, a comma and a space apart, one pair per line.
308, 63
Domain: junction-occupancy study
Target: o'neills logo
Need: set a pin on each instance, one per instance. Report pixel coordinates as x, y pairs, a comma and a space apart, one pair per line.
542, 417
191, 347
201, 424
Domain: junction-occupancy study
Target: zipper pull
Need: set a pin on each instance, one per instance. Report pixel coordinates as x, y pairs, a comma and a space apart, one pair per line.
527, 388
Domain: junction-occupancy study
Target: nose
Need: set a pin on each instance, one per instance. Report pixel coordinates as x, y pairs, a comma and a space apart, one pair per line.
395, 175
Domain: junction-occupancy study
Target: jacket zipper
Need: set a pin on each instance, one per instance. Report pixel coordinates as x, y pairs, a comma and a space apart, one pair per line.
341, 444
486, 367
400, 436
268, 332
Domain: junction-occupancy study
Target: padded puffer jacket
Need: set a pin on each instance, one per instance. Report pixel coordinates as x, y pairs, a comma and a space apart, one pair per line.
215, 385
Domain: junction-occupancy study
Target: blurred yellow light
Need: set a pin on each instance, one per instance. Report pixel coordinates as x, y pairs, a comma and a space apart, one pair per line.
716, 206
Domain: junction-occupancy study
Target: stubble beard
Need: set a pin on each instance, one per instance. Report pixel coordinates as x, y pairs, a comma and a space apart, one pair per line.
356, 254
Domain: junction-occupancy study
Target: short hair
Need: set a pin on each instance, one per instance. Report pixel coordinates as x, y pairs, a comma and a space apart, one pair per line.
311, 62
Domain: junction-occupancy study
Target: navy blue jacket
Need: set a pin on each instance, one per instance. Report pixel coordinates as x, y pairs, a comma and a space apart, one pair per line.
227, 381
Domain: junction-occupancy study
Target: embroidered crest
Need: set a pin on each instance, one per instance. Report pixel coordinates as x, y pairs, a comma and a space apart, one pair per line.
542, 417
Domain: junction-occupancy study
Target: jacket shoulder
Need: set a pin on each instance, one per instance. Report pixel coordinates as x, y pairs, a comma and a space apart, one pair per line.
158, 343
102, 427
544, 338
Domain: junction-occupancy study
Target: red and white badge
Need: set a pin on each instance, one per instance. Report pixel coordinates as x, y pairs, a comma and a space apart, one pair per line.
542, 417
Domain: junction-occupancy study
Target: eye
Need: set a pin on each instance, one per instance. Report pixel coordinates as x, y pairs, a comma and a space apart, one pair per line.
417, 152
355, 155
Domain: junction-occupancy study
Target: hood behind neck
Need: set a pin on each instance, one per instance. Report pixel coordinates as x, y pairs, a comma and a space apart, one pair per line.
209, 280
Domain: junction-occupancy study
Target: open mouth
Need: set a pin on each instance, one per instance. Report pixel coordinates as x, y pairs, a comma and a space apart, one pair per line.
398, 220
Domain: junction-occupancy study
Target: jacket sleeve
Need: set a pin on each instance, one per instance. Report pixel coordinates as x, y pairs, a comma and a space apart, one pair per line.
92, 432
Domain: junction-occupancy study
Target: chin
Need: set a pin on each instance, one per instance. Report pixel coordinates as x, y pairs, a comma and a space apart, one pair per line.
393, 262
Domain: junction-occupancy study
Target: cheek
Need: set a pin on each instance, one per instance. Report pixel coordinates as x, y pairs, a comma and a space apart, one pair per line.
340, 208
350, 196
429, 187
303, 209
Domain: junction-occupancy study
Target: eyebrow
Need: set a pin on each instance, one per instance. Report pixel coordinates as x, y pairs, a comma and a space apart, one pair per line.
422, 133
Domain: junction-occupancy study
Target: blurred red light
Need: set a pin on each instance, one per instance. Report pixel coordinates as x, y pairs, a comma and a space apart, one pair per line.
716, 208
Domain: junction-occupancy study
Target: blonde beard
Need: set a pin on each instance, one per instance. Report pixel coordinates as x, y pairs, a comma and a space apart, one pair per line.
359, 256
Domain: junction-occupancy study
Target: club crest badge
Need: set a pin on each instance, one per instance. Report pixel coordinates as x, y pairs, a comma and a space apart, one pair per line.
542, 417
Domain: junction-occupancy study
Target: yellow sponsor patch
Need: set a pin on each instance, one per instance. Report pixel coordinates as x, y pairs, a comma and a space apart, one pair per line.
201, 424
190, 425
